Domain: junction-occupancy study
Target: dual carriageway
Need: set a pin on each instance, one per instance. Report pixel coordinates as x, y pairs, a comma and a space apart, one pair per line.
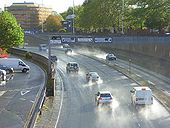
77, 108
78, 105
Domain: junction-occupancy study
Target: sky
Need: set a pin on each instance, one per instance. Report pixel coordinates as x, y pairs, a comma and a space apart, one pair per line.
56, 5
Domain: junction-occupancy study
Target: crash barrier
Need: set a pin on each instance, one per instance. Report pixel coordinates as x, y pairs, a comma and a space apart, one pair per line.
42, 61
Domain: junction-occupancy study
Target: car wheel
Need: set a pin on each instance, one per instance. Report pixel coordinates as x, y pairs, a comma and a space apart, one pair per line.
7, 71
24, 70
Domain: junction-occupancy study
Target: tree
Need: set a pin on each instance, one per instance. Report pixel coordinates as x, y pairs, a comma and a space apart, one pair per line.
53, 23
152, 14
11, 34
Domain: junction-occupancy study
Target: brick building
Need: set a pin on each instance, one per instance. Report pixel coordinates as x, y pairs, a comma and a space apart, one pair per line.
29, 15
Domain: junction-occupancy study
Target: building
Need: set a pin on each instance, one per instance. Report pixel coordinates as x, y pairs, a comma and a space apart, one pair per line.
29, 15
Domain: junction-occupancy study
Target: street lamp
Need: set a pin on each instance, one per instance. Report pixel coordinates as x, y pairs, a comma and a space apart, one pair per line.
73, 18
123, 16
42, 26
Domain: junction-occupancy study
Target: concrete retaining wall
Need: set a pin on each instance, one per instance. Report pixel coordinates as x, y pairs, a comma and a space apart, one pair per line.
152, 56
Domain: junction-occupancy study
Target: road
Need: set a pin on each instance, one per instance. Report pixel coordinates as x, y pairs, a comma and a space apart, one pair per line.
79, 109
18, 95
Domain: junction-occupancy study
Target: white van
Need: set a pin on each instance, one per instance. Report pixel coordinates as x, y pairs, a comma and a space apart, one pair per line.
141, 96
16, 64
2, 75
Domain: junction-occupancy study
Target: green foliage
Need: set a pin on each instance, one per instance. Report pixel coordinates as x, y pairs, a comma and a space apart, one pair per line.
152, 14
11, 34
99, 15
53, 23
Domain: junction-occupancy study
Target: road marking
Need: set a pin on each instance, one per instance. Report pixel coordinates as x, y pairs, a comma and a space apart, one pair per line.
61, 102
138, 75
133, 84
139, 125
150, 82
121, 78
2, 93
31, 101
2, 83
24, 92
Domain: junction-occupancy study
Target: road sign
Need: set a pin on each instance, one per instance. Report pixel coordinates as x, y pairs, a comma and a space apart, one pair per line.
55, 39
85, 39
102, 39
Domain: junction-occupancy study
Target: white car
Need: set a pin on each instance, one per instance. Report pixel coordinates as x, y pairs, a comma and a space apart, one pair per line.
103, 97
2, 75
141, 96
43, 47
92, 76
110, 57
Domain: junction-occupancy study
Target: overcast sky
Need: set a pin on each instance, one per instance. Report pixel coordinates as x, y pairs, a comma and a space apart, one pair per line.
56, 5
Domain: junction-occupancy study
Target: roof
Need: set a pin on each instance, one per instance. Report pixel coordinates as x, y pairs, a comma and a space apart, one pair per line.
73, 62
104, 92
140, 88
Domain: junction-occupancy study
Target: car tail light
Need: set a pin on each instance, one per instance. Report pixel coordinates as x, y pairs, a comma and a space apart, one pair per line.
100, 98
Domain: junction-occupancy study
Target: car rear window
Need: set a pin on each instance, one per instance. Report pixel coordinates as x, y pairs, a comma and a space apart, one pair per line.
74, 65
105, 95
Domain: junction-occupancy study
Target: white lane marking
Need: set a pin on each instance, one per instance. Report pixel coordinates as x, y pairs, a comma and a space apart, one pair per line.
23, 99
150, 82
138, 75
24, 92
139, 125
2, 83
31, 101
61, 102
121, 78
133, 84
2, 93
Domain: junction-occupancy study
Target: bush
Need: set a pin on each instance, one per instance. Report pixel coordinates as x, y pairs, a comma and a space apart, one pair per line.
28, 55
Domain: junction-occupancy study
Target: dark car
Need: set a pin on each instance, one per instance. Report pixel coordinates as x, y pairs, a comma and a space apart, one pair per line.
68, 51
7, 69
110, 57
54, 58
72, 67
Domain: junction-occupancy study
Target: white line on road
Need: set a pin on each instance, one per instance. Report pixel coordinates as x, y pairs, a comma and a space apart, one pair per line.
2, 93
24, 92
61, 102
138, 75
133, 84
150, 82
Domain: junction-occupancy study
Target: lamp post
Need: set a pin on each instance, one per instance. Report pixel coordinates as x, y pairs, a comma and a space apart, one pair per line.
73, 18
123, 16
42, 26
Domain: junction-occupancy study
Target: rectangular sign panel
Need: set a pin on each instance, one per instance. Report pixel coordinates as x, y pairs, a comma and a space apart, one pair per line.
85, 39
55, 41
68, 39
103, 40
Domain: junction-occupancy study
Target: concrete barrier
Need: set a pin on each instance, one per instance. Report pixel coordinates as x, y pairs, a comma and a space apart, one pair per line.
153, 56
